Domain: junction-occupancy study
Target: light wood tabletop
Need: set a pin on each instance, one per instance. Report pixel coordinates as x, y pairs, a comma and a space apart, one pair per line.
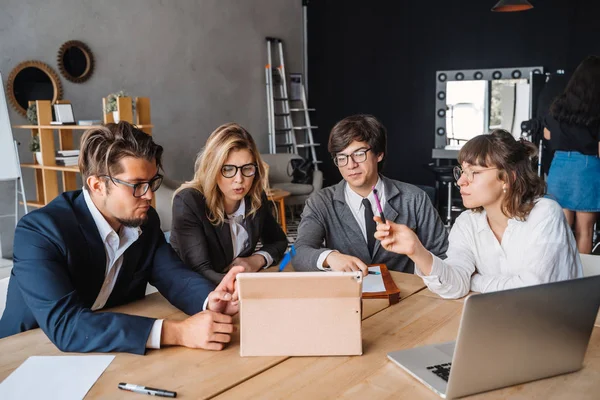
408, 284
15, 349
429, 293
191, 373
418, 320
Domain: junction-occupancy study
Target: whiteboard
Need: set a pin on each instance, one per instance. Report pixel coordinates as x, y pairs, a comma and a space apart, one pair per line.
9, 167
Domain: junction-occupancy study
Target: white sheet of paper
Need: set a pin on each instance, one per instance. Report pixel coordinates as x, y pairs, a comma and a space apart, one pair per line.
373, 283
54, 377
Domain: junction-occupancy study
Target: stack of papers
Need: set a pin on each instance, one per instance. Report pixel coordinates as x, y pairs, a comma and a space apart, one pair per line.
54, 377
373, 283
89, 122
67, 157
67, 153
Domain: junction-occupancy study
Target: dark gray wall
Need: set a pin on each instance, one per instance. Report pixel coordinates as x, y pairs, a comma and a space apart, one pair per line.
201, 62
380, 57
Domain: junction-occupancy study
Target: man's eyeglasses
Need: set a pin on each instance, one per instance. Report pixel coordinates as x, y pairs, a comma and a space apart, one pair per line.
341, 160
140, 188
229, 171
458, 171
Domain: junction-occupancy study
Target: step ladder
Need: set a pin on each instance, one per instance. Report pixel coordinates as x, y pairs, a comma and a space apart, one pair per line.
303, 126
282, 132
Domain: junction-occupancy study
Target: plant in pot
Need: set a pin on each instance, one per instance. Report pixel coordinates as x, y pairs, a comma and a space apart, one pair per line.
111, 104
32, 114
34, 147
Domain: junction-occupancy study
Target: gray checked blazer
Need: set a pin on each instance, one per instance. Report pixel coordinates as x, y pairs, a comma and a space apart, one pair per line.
328, 224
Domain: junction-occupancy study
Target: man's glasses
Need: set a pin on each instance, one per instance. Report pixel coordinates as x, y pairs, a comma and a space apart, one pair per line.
229, 171
140, 188
341, 160
458, 172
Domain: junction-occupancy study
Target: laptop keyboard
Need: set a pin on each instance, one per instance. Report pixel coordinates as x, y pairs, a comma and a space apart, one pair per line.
441, 370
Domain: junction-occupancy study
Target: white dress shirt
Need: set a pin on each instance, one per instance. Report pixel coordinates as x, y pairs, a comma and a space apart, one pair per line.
114, 246
354, 201
539, 250
239, 235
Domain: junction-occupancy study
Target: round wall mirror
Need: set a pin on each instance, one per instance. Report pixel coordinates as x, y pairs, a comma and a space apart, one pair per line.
75, 61
30, 81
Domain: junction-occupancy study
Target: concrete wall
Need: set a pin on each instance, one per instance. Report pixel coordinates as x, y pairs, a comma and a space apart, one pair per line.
201, 62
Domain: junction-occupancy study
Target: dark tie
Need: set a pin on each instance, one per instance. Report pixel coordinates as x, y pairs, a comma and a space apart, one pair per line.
370, 225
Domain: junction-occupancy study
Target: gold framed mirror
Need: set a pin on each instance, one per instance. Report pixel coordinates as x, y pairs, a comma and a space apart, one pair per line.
75, 61
30, 81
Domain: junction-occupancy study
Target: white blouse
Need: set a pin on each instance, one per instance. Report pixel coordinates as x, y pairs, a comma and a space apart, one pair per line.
538, 250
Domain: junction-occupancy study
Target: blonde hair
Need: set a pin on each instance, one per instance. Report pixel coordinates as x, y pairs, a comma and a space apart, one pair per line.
208, 166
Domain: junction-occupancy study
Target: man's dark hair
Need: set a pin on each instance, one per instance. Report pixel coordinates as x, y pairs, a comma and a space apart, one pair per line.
360, 128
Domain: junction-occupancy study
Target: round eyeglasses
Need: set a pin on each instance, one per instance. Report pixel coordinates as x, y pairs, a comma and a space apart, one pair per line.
229, 171
341, 160
458, 172
140, 188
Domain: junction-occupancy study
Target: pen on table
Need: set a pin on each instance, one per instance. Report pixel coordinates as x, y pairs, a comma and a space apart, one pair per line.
287, 257
378, 205
146, 390
374, 273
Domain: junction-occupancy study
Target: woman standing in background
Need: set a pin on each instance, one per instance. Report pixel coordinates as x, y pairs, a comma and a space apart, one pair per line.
573, 126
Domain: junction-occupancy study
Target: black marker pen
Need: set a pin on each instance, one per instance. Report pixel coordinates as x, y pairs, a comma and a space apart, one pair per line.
147, 390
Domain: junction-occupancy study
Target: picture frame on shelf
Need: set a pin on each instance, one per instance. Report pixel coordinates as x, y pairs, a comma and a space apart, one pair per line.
63, 114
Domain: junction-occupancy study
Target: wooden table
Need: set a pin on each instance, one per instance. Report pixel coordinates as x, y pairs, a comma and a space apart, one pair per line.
192, 373
420, 319
279, 195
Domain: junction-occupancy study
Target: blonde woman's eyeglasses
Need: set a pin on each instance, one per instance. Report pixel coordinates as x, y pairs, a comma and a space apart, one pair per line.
248, 170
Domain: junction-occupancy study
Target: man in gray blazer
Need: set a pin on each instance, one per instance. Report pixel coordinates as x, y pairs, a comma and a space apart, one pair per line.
337, 228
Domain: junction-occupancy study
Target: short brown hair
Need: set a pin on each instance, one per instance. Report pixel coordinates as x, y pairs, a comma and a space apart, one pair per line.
103, 148
360, 128
514, 161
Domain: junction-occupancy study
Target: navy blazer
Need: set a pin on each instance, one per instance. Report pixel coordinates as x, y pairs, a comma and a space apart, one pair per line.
59, 268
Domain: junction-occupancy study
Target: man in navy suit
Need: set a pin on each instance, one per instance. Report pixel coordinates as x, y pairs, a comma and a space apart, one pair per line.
99, 247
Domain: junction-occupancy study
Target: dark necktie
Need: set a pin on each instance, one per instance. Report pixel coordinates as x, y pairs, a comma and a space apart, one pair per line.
370, 225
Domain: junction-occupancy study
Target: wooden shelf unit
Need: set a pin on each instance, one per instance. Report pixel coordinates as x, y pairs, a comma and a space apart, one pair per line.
46, 174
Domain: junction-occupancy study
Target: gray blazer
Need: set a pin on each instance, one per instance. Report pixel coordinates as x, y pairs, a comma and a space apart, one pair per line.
328, 219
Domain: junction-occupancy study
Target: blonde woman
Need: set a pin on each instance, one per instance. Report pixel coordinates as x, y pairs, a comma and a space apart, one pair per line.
219, 216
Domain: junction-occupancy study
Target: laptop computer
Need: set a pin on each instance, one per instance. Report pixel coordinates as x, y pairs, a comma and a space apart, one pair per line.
300, 313
510, 337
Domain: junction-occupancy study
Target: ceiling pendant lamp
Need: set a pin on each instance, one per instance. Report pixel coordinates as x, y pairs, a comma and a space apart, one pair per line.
512, 5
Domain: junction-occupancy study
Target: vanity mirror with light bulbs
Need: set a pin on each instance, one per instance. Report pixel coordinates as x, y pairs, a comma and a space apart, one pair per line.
471, 102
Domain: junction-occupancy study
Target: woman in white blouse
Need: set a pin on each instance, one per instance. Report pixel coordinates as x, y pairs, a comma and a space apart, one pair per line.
510, 237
